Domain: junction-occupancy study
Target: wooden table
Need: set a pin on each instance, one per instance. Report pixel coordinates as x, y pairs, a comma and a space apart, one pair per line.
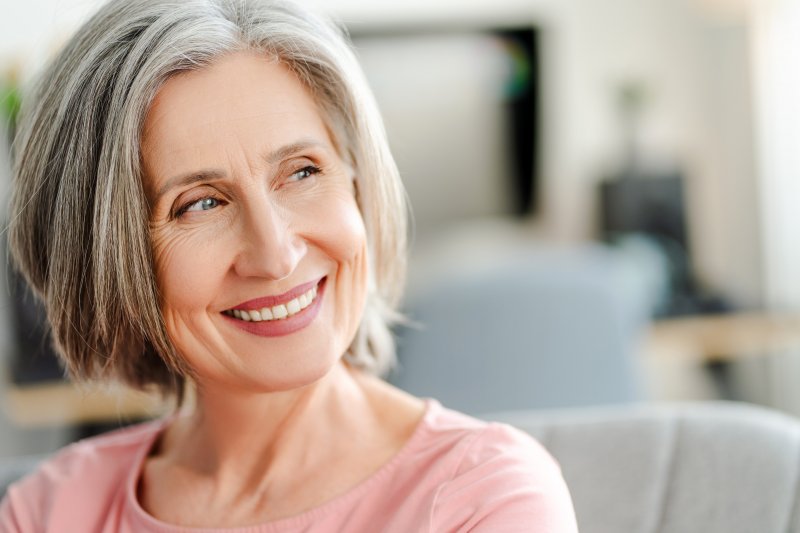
63, 403
715, 338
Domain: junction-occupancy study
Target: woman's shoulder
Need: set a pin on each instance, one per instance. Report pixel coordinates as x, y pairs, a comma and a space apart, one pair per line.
476, 441
500, 478
89, 472
102, 456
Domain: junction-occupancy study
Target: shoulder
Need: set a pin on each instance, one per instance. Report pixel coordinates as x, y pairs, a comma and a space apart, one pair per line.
103, 458
501, 479
475, 443
88, 472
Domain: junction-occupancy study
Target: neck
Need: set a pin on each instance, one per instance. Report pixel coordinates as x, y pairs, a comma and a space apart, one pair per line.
256, 457
270, 433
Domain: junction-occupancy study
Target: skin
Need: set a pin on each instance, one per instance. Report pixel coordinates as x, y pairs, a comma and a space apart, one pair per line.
281, 424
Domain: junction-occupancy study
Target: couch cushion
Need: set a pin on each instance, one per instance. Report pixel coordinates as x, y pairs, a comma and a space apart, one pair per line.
712, 467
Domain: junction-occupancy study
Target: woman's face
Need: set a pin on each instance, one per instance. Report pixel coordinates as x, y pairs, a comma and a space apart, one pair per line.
260, 248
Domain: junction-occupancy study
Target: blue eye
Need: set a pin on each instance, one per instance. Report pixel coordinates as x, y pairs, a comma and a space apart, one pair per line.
203, 205
303, 173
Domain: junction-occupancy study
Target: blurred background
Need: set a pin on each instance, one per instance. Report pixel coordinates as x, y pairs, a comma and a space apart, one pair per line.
603, 193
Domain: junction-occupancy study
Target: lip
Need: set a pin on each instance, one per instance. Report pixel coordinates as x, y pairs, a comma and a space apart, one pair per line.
284, 326
271, 301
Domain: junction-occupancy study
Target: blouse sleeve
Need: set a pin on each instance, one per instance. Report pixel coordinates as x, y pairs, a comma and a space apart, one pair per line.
505, 482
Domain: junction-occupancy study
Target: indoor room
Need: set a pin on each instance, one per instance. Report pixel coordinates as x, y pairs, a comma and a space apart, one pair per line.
601, 238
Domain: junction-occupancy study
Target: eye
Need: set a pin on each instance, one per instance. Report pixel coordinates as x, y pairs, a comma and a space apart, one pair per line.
303, 173
204, 204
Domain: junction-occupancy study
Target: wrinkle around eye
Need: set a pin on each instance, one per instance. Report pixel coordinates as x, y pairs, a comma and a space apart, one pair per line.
169, 235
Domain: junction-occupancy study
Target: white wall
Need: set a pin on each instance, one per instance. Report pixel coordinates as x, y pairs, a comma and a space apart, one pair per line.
30, 29
777, 73
693, 55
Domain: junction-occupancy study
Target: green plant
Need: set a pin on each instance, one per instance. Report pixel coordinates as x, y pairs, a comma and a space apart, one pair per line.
10, 101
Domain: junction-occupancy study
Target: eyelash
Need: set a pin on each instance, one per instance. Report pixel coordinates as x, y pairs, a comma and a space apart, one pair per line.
310, 170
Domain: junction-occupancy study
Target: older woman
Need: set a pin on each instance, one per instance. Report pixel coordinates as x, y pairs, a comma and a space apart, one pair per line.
204, 197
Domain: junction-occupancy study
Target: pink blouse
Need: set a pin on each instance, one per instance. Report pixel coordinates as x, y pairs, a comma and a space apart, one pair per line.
455, 473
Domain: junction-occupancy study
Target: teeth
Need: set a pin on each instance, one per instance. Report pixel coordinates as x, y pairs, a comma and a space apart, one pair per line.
277, 312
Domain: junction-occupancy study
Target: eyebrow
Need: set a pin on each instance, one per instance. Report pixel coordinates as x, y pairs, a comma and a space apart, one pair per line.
208, 175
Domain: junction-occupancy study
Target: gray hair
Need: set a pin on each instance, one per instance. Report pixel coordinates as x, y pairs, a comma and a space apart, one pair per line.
79, 216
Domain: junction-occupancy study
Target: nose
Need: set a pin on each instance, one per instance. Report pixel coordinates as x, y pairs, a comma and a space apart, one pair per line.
271, 248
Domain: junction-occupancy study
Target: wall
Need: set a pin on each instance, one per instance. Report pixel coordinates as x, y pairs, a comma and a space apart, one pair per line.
777, 73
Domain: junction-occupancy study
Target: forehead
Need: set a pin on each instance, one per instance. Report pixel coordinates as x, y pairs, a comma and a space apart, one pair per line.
241, 106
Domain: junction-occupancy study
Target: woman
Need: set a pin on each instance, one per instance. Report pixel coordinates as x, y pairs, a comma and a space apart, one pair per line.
204, 196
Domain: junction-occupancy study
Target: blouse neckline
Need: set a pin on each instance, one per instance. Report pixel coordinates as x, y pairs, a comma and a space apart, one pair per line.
138, 513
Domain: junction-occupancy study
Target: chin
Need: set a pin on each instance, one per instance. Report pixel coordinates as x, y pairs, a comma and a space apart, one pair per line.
295, 375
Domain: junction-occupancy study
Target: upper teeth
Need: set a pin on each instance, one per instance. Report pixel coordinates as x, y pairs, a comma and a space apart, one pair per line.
276, 312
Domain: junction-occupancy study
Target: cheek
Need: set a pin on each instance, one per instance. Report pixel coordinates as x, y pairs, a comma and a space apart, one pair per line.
349, 249
186, 269
334, 226
347, 239
350, 240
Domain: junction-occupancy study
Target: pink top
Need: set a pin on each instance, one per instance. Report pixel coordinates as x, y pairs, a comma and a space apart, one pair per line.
455, 473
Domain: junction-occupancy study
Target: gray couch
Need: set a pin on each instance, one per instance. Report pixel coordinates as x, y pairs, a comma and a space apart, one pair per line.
704, 468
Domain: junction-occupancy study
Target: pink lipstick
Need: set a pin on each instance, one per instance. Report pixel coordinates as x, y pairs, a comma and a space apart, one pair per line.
273, 316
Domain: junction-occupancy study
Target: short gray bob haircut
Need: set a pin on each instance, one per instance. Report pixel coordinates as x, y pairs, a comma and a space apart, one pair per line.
79, 217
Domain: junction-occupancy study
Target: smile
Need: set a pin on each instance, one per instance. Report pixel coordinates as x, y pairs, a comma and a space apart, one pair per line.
275, 316
276, 312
